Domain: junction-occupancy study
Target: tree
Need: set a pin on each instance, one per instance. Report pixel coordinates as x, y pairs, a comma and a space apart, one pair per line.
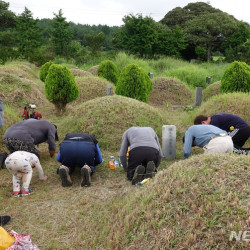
95, 42
60, 86
233, 45
210, 31
7, 33
60, 34
134, 82
179, 16
138, 35
29, 35
236, 78
169, 42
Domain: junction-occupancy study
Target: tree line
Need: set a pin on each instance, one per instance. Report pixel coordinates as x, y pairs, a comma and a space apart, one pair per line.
196, 31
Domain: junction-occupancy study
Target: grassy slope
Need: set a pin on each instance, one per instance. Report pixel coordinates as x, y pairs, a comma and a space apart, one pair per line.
192, 204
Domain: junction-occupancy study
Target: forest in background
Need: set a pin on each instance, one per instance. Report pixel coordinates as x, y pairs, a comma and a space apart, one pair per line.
195, 32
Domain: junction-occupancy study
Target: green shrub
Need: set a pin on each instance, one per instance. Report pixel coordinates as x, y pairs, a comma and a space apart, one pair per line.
134, 82
236, 78
108, 70
60, 86
44, 70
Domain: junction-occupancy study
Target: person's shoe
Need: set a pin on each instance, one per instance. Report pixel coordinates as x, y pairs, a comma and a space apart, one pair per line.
16, 194
3, 156
85, 176
64, 174
4, 220
150, 170
25, 192
138, 175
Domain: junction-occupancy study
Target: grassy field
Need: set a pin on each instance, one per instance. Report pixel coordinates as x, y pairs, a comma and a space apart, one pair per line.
190, 204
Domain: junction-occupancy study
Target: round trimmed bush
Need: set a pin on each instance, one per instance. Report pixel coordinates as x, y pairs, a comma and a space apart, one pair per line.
108, 70
60, 86
134, 82
236, 78
44, 70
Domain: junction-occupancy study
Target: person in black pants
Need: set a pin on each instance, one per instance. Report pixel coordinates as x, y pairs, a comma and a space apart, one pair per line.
145, 153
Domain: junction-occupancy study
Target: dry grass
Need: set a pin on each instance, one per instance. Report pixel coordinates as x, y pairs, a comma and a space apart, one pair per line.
190, 204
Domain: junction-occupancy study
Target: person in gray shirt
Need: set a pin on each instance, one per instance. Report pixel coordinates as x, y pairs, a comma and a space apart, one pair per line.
145, 153
26, 134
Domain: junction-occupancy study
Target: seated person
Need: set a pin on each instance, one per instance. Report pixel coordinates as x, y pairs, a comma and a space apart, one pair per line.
212, 139
78, 149
144, 153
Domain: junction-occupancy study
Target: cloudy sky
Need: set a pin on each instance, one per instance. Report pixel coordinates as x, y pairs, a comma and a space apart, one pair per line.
111, 12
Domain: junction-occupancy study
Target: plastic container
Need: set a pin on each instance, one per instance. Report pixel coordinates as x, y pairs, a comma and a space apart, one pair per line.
116, 163
111, 162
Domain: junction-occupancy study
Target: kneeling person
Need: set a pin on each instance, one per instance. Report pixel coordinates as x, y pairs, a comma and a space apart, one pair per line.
78, 149
145, 153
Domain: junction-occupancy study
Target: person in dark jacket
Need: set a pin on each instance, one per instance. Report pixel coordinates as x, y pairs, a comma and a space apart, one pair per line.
78, 149
145, 153
236, 127
25, 135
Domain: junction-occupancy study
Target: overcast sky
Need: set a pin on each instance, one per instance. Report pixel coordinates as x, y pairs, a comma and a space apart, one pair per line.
111, 12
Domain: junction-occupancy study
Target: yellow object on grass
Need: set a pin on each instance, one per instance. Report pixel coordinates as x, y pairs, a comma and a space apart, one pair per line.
5, 239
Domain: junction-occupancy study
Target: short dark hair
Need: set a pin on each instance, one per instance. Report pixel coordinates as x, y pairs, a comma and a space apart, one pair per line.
199, 119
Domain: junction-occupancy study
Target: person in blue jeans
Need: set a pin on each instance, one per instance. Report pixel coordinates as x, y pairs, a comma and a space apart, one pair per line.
78, 150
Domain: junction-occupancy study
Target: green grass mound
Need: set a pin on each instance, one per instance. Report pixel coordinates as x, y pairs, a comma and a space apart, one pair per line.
211, 90
170, 91
108, 117
94, 70
91, 87
80, 72
234, 103
194, 204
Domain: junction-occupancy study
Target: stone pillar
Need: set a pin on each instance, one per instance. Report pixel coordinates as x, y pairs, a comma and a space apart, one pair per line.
198, 96
169, 141
108, 90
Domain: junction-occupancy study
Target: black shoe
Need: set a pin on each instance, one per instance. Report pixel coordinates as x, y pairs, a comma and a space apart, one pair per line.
85, 177
4, 220
64, 177
138, 175
150, 170
3, 156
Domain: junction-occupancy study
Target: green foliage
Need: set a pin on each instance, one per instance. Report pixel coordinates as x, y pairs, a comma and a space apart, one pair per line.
236, 78
44, 70
95, 42
60, 86
41, 55
134, 82
138, 35
193, 75
61, 35
7, 17
28, 34
108, 70
209, 31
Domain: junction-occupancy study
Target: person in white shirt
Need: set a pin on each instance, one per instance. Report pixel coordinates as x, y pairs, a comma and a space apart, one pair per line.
20, 164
